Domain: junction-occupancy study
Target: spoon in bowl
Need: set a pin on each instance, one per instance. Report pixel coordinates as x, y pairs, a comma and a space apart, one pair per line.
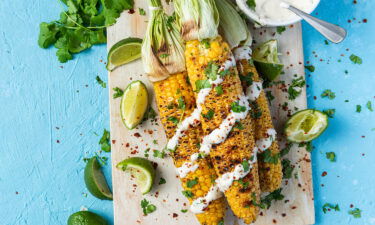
330, 31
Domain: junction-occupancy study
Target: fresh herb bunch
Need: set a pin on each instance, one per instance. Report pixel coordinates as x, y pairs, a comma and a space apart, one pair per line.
81, 26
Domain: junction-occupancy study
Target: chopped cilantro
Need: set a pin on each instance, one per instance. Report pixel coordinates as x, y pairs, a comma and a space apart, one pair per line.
184, 210
105, 141
224, 73
287, 168
308, 145
326, 42
355, 59
206, 43
329, 112
211, 71
255, 110
246, 165
209, 115
238, 125
369, 106
327, 206
245, 185
192, 183
159, 154
237, 108
328, 94
294, 89
181, 103
247, 79
173, 119
310, 68
219, 90
280, 29
202, 84
147, 207
286, 150
358, 108
163, 55
102, 83
269, 96
251, 4
255, 203
141, 11
331, 156
150, 114
162, 181
188, 194
155, 142
273, 196
221, 222
356, 213
118, 92
146, 152
268, 157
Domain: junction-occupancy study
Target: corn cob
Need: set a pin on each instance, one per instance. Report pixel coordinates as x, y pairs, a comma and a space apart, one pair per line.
270, 171
175, 99
239, 145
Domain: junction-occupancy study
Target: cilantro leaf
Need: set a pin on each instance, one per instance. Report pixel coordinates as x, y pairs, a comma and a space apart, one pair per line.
294, 89
237, 108
173, 119
105, 141
219, 90
211, 71
101, 82
47, 34
273, 196
356, 213
329, 112
209, 115
247, 79
328, 206
251, 4
287, 168
188, 194
369, 106
358, 108
268, 157
331, 156
246, 165
328, 94
181, 103
118, 92
355, 59
147, 207
192, 183
310, 68
159, 154
202, 84
280, 29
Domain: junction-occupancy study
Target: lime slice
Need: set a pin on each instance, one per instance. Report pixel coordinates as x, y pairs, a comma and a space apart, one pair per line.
95, 180
123, 52
266, 60
142, 170
134, 104
86, 218
306, 125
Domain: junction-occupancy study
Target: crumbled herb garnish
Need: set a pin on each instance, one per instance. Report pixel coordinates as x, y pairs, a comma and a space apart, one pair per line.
100, 82
150, 114
237, 108
329, 112
202, 84
206, 43
141, 11
326, 42
358, 108
118, 92
286, 150
181, 103
244, 184
159, 154
238, 125
163, 55
221, 222
147, 207
184, 210
105, 141
209, 115
251, 4
331, 156
81, 26
310, 68
162, 181
246, 165
146, 152
356, 213
287, 168
328, 94
269, 96
255, 110
355, 59
273, 196
293, 91
211, 71
219, 90
255, 203
369, 106
188, 194
327, 206
173, 119
280, 29
248, 79
308, 145
268, 157
224, 73
192, 183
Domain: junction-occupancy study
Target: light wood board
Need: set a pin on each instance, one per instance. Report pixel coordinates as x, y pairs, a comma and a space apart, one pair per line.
297, 208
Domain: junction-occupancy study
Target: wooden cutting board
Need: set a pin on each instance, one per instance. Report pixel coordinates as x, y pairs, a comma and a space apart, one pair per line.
297, 208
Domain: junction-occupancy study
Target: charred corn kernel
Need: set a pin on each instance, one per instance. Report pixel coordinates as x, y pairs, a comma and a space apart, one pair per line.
270, 174
175, 98
239, 144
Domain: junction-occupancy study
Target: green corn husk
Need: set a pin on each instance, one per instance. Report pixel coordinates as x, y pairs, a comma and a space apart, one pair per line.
232, 26
162, 47
199, 18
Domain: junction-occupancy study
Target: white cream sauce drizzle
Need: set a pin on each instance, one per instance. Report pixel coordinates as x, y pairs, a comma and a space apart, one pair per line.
265, 143
243, 52
253, 91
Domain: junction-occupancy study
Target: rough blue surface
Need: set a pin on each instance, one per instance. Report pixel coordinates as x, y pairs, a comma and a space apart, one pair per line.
50, 115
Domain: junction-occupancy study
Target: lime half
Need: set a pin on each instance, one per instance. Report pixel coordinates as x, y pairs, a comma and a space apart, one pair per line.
95, 180
123, 52
306, 125
86, 218
266, 60
134, 104
142, 170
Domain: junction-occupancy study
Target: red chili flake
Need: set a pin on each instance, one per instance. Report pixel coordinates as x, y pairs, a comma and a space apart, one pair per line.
314, 97
288, 53
127, 145
291, 26
274, 221
177, 199
324, 174
175, 215
137, 135
349, 21
294, 207
351, 205
16, 192
363, 136
101, 60
57, 141
322, 185
283, 215
261, 213
113, 141
364, 20
354, 1
131, 11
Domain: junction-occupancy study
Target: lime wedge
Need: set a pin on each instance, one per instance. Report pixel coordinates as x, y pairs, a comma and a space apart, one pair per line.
95, 180
266, 60
86, 218
134, 104
123, 52
142, 170
306, 125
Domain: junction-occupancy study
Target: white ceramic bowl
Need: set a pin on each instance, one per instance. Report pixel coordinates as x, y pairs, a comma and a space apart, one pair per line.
269, 22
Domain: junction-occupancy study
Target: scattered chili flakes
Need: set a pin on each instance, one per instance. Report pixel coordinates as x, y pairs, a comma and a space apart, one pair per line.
174, 215
137, 135
113, 141
324, 174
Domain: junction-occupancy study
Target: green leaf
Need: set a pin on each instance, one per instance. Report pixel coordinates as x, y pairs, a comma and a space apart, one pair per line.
280, 29
209, 115
329, 112
202, 84
238, 125
268, 157
356, 213
287, 168
248, 79
369, 106
211, 71
251, 4
188, 194
141, 11
310, 68
331, 156
173, 119
273, 196
192, 183
105, 141
246, 165
355, 59
358, 108
118, 92
47, 34
328, 94
181, 103
294, 89
219, 90
237, 108
162, 181
63, 55
159, 154
100, 82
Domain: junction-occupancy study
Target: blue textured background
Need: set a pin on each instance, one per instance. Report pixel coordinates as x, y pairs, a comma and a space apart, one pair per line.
50, 114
